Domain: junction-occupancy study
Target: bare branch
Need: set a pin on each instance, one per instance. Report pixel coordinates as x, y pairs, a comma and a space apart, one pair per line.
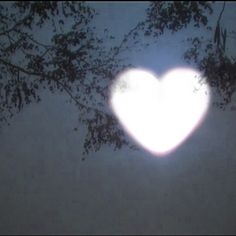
223, 8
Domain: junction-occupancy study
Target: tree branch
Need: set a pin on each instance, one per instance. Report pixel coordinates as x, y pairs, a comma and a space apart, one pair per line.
125, 39
66, 89
76, 101
223, 8
16, 25
19, 68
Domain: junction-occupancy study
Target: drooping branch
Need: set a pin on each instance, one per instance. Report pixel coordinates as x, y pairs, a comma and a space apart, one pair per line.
18, 68
223, 8
67, 90
43, 75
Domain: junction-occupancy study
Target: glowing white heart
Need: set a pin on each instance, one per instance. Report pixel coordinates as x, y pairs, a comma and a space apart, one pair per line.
159, 114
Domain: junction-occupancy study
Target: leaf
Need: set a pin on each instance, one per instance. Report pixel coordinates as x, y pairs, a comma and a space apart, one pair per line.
61, 22
224, 38
217, 34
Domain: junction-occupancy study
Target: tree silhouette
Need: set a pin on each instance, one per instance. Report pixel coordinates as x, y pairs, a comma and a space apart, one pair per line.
52, 45
208, 54
74, 61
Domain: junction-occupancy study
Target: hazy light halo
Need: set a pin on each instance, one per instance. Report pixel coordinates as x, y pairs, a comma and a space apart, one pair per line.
159, 114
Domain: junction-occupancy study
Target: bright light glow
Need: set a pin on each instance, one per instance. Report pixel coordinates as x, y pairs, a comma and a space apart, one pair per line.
159, 113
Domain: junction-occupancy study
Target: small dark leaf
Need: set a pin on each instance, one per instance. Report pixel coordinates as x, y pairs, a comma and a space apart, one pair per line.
217, 34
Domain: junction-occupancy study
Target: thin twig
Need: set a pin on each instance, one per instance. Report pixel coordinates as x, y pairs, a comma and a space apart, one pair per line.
223, 8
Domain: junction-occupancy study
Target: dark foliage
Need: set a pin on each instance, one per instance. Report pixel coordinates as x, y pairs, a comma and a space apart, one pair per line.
71, 58
208, 54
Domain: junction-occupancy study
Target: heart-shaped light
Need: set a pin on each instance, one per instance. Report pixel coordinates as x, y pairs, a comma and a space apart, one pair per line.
159, 113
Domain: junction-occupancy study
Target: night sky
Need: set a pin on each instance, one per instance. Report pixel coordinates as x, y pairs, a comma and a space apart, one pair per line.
45, 187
